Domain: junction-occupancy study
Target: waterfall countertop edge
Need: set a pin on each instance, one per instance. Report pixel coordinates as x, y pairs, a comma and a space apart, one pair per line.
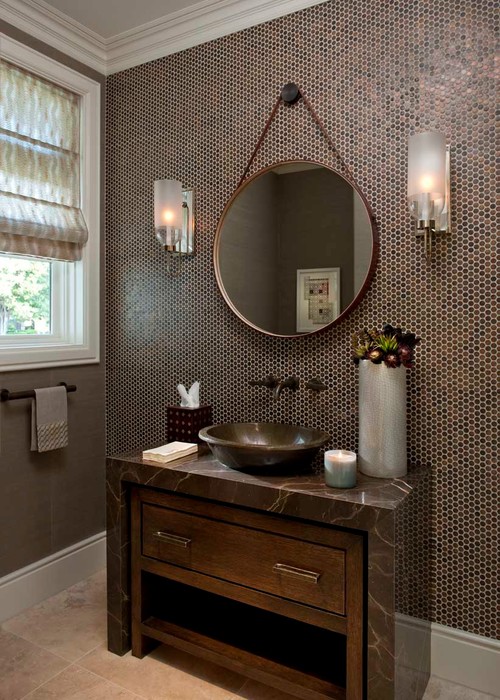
302, 495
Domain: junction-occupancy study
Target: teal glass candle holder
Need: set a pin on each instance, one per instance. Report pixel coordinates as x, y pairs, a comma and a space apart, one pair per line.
340, 469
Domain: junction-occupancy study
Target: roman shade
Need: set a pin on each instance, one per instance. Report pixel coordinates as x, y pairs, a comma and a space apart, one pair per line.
40, 214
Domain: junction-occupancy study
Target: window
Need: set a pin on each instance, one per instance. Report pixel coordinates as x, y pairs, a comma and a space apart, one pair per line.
26, 306
49, 212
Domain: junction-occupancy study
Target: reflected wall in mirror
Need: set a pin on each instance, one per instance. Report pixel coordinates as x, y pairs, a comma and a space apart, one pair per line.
295, 249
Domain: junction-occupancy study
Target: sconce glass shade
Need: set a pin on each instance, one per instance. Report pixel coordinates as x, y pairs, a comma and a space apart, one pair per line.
169, 237
168, 212
426, 175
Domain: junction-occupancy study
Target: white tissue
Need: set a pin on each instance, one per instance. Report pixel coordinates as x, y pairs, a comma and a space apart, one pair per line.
191, 398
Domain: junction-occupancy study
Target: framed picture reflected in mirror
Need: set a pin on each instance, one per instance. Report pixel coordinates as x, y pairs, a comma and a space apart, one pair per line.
318, 298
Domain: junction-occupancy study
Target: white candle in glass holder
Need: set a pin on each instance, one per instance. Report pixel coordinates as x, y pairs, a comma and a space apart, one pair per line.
340, 469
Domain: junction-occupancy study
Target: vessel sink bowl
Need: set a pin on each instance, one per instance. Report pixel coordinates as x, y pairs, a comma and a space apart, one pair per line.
264, 446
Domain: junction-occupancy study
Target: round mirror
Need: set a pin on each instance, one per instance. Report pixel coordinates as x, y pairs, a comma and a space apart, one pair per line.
295, 249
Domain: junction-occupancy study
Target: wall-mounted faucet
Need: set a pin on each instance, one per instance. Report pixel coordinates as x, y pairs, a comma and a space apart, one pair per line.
316, 384
277, 385
291, 383
270, 382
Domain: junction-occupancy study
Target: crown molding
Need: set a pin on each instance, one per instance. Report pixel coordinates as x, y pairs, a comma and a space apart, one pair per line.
205, 21
202, 22
44, 22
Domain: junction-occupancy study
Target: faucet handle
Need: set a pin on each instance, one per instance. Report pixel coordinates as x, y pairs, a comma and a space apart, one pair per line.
270, 382
291, 383
316, 384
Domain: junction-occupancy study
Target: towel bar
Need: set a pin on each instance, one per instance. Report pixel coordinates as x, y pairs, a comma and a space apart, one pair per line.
6, 395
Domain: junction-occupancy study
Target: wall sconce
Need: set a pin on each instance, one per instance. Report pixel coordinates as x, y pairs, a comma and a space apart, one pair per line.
429, 185
174, 222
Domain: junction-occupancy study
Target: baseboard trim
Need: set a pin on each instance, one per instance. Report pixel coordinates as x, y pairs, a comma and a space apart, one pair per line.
456, 656
413, 646
465, 658
38, 581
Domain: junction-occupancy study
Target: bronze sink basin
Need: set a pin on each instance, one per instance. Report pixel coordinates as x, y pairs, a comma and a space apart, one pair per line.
264, 446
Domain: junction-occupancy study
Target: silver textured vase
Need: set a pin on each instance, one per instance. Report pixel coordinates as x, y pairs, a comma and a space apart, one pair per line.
382, 420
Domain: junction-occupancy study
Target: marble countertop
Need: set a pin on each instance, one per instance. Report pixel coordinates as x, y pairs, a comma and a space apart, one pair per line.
302, 495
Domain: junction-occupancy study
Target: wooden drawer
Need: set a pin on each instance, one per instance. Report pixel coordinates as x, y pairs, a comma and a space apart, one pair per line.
299, 570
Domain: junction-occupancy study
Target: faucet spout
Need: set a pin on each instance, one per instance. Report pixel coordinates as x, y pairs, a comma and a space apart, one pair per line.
270, 382
291, 383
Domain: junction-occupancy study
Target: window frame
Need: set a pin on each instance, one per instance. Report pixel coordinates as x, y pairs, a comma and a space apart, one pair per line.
80, 281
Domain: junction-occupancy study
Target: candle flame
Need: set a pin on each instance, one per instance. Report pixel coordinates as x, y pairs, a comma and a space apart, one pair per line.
426, 183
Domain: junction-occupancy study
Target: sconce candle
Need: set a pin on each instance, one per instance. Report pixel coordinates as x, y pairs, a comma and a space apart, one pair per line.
429, 185
174, 222
168, 212
426, 175
340, 469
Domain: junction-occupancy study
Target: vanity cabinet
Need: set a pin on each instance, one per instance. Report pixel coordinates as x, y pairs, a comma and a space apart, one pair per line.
278, 577
278, 599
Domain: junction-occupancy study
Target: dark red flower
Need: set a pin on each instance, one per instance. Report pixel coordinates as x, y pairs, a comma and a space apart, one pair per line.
392, 359
405, 353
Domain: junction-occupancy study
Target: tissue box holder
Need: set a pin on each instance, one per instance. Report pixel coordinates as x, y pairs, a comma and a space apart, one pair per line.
184, 424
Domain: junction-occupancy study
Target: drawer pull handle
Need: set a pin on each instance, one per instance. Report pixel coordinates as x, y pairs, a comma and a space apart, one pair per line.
177, 540
286, 570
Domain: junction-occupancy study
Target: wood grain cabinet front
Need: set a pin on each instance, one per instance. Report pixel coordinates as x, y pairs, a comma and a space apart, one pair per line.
195, 562
304, 571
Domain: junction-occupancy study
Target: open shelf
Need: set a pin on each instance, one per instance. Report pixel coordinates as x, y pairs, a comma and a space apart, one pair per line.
258, 643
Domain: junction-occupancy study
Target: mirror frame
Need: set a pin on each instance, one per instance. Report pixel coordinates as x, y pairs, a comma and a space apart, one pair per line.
364, 287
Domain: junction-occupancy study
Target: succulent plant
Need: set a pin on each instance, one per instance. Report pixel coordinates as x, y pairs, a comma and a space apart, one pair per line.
392, 359
391, 345
387, 343
361, 351
376, 355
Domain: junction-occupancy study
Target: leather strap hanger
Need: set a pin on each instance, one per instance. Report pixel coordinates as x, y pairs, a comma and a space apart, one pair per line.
290, 94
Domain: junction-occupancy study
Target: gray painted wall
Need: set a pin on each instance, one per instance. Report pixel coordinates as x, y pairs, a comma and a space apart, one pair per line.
50, 501
249, 252
316, 231
362, 241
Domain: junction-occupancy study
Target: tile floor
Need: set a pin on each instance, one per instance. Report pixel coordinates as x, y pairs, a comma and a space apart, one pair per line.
57, 651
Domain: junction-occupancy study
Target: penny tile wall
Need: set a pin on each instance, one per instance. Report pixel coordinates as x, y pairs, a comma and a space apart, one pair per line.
375, 72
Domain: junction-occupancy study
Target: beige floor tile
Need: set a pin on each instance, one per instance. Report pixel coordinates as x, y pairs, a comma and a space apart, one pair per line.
166, 673
36, 649
24, 666
439, 689
411, 683
76, 683
70, 623
252, 690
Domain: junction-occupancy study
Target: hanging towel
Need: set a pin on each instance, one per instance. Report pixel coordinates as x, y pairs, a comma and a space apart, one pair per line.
49, 419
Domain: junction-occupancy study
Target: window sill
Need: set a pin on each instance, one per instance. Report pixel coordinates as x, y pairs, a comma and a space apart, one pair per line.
19, 359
